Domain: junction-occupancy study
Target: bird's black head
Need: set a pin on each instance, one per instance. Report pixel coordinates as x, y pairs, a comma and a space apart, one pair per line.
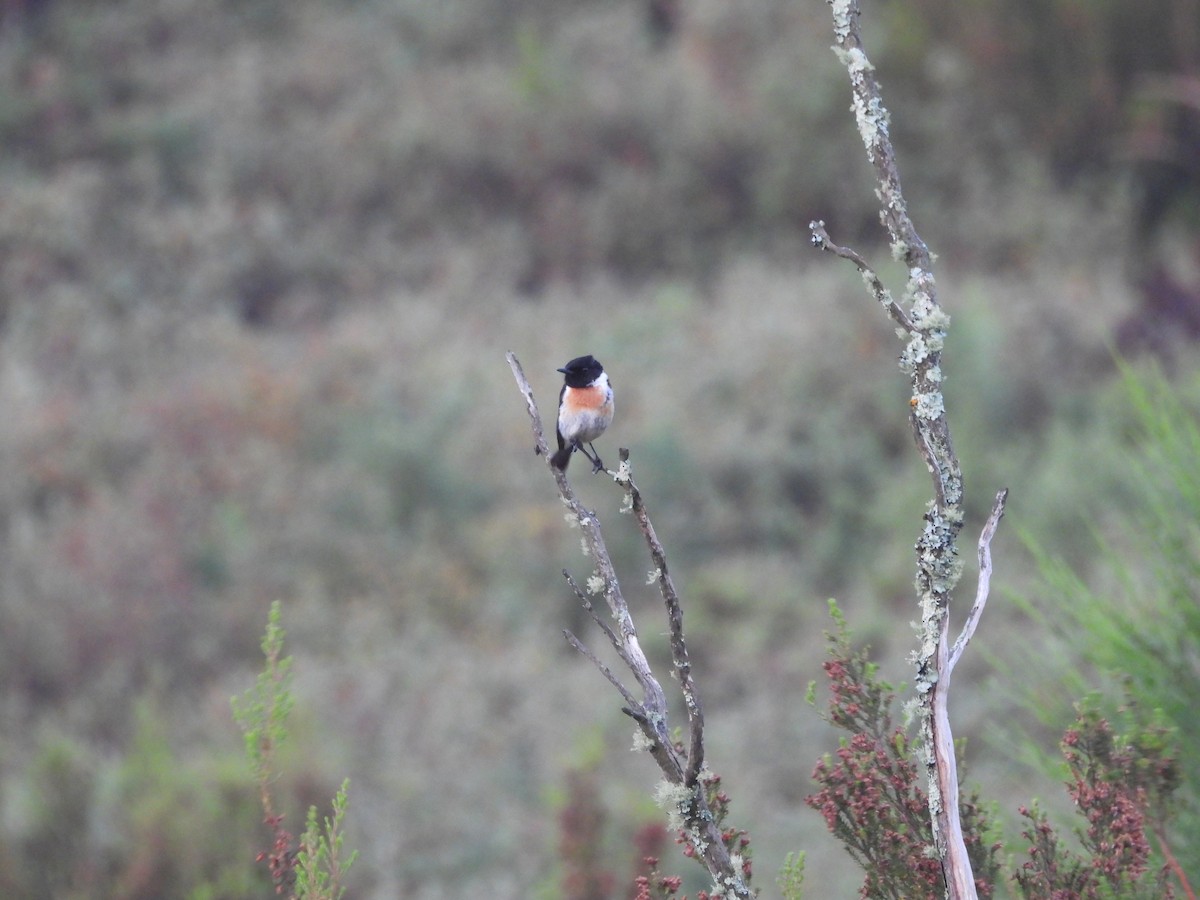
582, 371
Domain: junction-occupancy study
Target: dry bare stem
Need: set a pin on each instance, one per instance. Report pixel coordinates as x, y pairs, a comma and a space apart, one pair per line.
922, 324
680, 768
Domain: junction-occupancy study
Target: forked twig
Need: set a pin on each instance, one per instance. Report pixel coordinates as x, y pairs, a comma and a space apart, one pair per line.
985, 578
680, 768
679, 652
923, 325
822, 241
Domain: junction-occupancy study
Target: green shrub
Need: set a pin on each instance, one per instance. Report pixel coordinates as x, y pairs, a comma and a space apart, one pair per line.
1132, 623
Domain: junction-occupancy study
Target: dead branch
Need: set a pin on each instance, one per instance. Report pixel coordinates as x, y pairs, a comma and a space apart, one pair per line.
681, 768
923, 324
820, 238
985, 579
679, 653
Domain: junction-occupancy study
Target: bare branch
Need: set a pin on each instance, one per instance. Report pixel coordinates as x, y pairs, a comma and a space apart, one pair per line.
699, 825
540, 447
636, 710
931, 462
985, 578
821, 240
679, 652
923, 325
874, 125
591, 610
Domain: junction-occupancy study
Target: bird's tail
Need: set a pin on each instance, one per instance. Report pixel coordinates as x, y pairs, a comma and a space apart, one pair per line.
560, 459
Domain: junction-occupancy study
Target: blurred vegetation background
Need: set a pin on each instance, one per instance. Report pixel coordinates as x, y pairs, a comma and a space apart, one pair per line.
259, 264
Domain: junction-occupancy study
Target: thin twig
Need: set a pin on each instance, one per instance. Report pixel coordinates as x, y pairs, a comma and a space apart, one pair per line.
821, 240
591, 610
700, 829
540, 447
679, 651
874, 127
925, 448
985, 578
1173, 863
607, 673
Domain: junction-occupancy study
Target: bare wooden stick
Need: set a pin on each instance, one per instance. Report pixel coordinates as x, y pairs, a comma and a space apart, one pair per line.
679, 652
591, 611
931, 462
681, 771
821, 240
985, 578
635, 709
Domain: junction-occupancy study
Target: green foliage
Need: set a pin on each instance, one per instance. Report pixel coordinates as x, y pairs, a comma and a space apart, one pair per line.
170, 818
150, 791
314, 869
59, 784
1133, 624
791, 877
262, 712
319, 863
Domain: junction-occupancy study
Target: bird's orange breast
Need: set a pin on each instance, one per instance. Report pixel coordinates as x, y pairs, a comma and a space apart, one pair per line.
588, 398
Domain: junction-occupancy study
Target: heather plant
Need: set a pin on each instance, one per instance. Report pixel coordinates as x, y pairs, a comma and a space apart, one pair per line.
1124, 786
321, 864
870, 796
314, 867
791, 877
1131, 623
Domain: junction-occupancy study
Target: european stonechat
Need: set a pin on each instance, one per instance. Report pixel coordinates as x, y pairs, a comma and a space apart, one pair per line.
585, 409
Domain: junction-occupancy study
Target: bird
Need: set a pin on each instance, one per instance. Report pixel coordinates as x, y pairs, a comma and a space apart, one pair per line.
585, 410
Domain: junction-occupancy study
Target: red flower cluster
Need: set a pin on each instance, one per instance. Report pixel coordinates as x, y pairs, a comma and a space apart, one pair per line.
870, 795
281, 858
1121, 786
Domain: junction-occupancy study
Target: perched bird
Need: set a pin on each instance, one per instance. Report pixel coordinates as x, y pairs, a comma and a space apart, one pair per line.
585, 409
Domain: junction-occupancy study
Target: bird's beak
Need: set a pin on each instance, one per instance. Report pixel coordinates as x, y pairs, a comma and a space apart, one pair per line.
563, 370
